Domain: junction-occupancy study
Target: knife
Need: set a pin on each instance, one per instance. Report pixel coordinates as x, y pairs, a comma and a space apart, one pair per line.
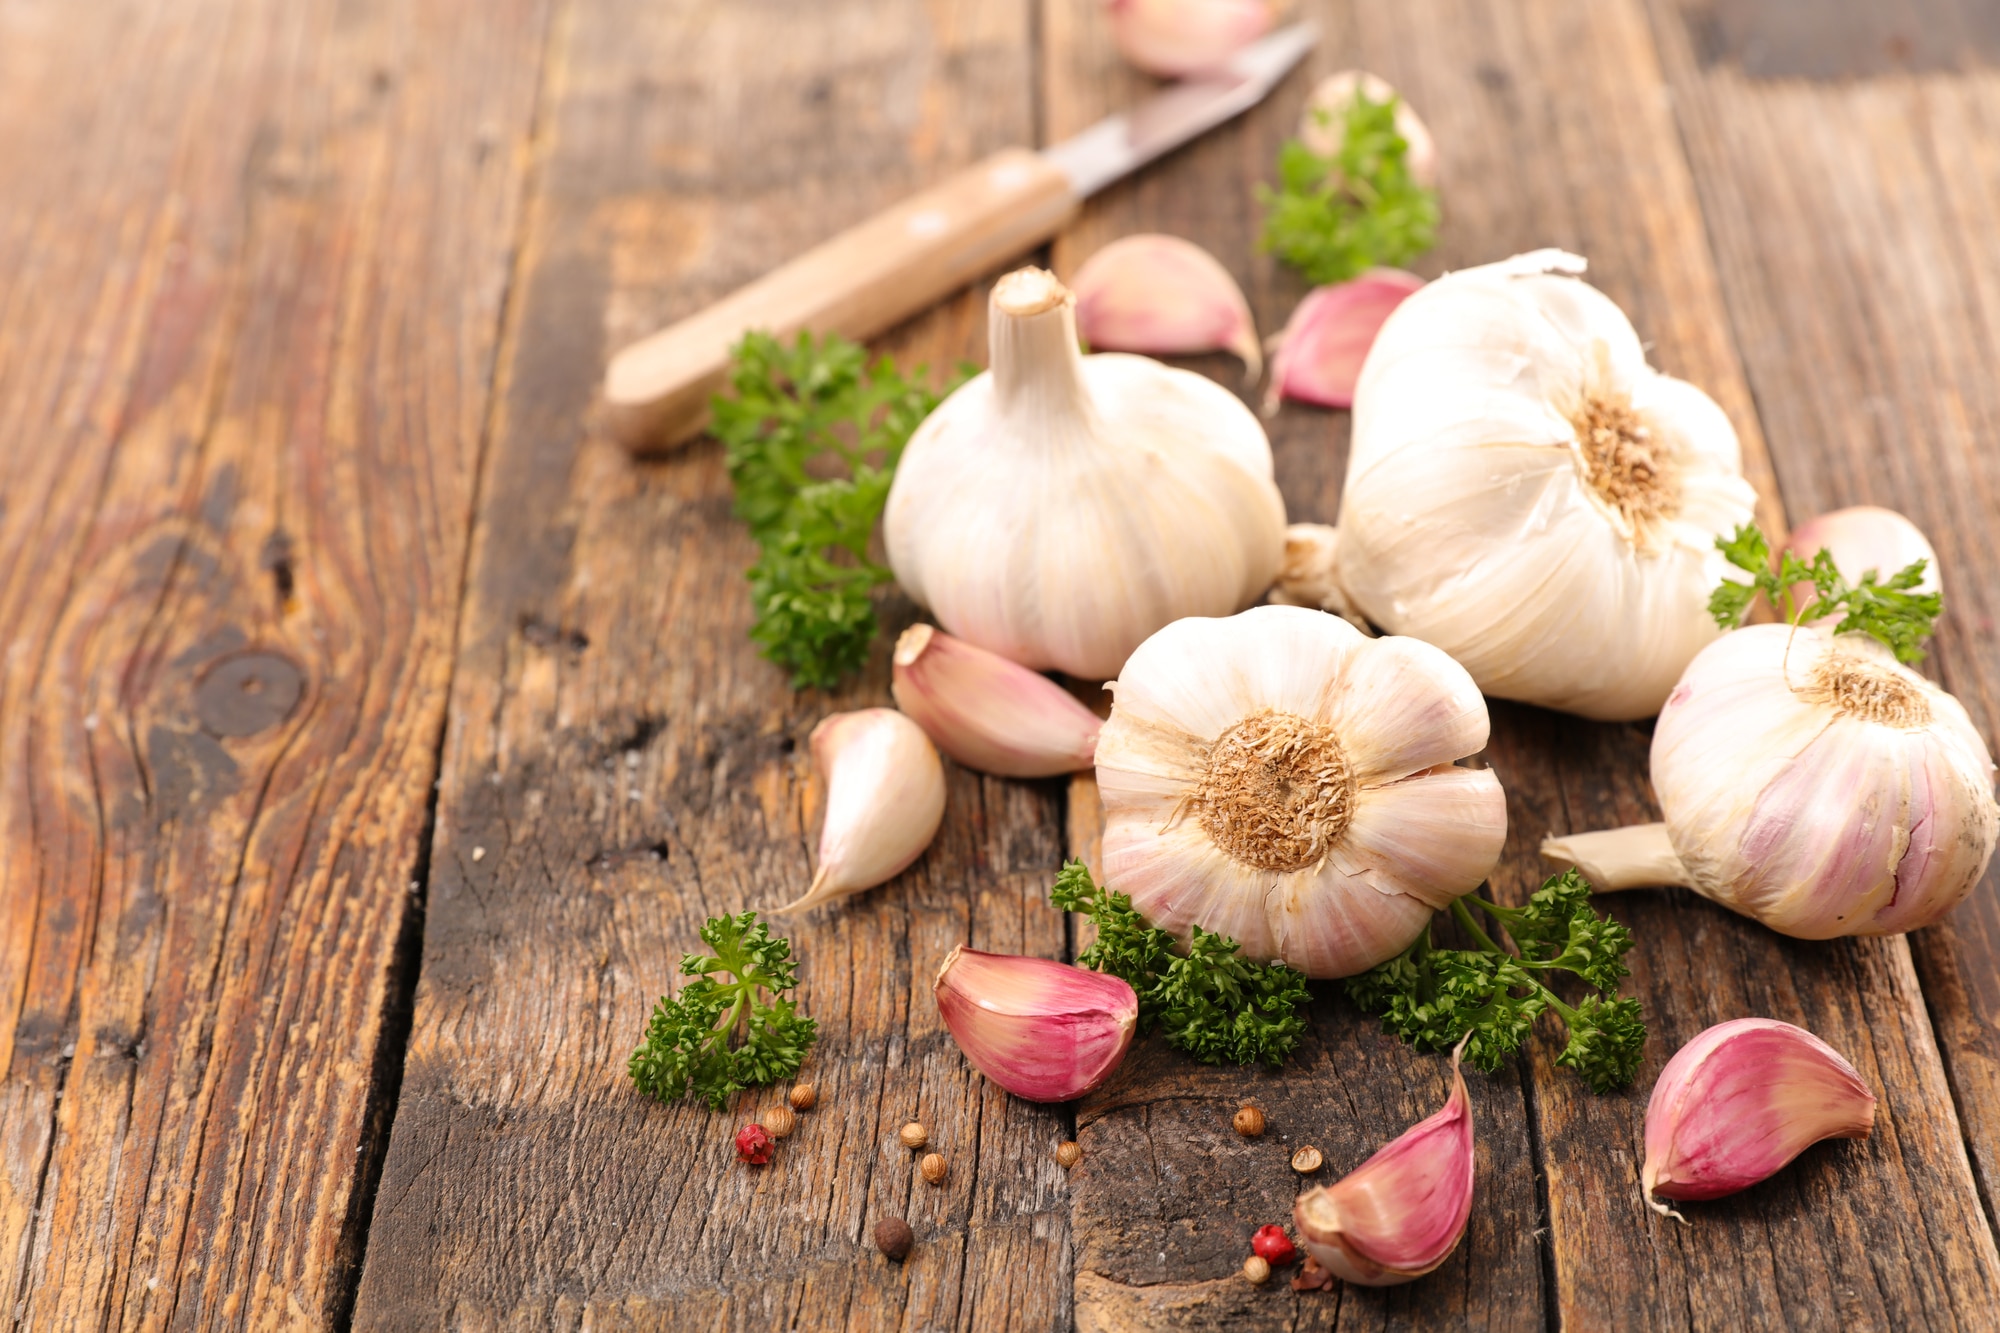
877, 274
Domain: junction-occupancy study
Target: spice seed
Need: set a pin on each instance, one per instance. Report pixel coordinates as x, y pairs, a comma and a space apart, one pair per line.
804, 1098
894, 1238
914, 1136
1307, 1160
1068, 1155
778, 1121
934, 1168
1249, 1122
1255, 1269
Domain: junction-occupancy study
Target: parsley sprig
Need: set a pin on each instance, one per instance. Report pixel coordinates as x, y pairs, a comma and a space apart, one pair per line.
1891, 612
1211, 1003
799, 410
687, 1049
1334, 217
1433, 997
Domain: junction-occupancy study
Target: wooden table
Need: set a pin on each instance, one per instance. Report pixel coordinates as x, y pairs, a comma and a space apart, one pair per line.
374, 736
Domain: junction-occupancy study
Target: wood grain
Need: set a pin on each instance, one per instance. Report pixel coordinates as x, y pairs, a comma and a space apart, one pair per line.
620, 765
251, 263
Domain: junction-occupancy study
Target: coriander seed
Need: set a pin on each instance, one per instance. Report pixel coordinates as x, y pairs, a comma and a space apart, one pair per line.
1068, 1154
1307, 1160
1249, 1122
1256, 1270
894, 1238
934, 1168
914, 1136
804, 1098
778, 1121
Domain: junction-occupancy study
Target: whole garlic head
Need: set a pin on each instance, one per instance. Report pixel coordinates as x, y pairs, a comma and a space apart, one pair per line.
1526, 493
1281, 778
1060, 508
1815, 783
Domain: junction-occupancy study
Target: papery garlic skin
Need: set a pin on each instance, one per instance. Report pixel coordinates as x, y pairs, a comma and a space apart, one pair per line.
1323, 124
1739, 1102
1815, 783
884, 801
1045, 1031
1163, 296
987, 713
1401, 1213
1170, 38
1861, 539
1326, 341
1526, 493
1059, 508
1284, 780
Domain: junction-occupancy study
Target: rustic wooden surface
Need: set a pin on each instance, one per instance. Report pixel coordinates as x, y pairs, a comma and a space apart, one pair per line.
301, 318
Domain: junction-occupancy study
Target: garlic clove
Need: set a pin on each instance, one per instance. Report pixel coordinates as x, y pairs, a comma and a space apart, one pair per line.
1323, 124
1326, 341
1637, 856
1045, 1031
884, 801
1310, 573
1862, 539
988, 713
1426, 834
1170, 38
1401, 1213
1163, 296
1406, 706
1739, 1102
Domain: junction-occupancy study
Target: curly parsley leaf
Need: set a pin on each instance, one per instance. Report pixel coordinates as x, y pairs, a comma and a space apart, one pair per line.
1431, 997
688, 1051
1210, 1002
1334, 217
801, 410
1892, 612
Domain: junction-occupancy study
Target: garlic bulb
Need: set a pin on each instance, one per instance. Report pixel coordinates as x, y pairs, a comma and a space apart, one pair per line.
1043, 1030
1059, 508
1170, 38
1401, 1213
1526, 493
1862, 539
1282, 779
988, 713
1163, 296
1812, 782
1739, 1102
1323, 124
884, 801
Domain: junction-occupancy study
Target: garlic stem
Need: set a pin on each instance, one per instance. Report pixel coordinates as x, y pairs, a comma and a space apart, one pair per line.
1037, 365
1639, 856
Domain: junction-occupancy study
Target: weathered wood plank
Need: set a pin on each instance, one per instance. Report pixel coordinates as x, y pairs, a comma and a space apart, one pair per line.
251, 261
620, 765
1852, 220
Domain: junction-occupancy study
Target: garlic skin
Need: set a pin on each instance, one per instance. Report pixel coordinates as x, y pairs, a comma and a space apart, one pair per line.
1815, 783
1170, 38
1326, 341
1401, 1213
884, 801
987, 713
1163, 296
1861, 539
1282, 779
1323, 124
1045, 1031
1059, 508
1739, 1102
1310, 574
1526, 493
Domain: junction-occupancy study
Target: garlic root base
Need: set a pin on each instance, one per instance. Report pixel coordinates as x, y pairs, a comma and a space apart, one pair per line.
1638, 856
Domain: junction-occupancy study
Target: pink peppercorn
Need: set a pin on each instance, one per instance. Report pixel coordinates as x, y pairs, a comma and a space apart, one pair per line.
1274, 1246
753, 1145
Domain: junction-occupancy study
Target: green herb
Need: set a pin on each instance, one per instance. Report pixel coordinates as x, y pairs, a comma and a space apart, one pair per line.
1891, 612
1332, 218
1432, 997
688, 1050
800, 411
1211, 1003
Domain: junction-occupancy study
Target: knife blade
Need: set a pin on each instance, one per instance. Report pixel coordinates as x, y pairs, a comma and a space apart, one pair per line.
880, 272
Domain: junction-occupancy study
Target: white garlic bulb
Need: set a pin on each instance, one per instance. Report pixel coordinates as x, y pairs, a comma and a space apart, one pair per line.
1059, 508
1811, 782
1283, 779
1526, 493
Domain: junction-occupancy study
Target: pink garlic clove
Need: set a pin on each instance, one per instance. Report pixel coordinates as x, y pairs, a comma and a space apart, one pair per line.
1739, 1102
988, 713
1325, 342
1163, 296
1045, 1031
1864, 538
884, 800
1323, 125
1401, 1213
1170, 38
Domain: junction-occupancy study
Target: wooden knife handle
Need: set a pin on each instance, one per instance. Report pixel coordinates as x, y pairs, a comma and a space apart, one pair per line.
860, 283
